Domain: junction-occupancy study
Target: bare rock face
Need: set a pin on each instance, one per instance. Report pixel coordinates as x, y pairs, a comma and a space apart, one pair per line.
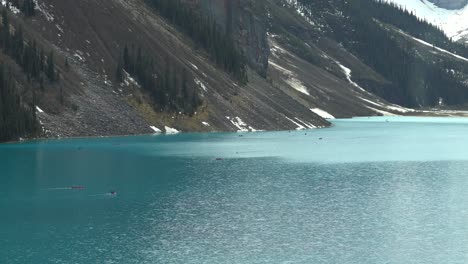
450, 4
247, 22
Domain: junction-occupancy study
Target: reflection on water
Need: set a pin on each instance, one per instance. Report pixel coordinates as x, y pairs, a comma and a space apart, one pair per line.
368, 192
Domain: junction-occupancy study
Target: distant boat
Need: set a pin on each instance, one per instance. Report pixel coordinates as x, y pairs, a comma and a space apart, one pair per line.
77, 187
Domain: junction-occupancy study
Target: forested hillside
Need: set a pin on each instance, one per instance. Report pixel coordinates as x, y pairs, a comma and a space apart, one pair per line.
115, 67
17, 106
204, 31
367, 28
17, 117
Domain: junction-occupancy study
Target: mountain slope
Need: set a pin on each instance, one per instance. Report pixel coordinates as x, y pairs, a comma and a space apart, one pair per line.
410, 74
92, 34
123, 67
450, 16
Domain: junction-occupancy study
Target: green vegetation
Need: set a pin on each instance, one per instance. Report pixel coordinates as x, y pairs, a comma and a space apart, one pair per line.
27, 7
204, 31
363, 28
25, 53
16, 118
171, 88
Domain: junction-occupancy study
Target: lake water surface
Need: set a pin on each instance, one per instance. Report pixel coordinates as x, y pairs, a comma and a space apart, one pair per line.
367, 190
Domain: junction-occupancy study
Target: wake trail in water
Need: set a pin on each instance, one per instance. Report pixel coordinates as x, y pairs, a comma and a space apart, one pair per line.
64, 188
56, 189
97, 195
103, 195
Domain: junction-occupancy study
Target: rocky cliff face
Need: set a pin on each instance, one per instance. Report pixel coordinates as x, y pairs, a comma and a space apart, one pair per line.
298, 74
450, 4
247, 22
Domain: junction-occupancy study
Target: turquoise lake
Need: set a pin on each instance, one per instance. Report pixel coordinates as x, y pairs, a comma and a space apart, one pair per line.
367, 190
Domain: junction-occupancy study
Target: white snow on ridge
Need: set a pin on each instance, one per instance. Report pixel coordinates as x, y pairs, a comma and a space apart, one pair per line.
453, 22
322, 113
437, 48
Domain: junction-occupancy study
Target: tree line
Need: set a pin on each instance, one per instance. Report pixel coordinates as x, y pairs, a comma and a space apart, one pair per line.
205, 32
17, 118
27, 54
27, 7
414, 80
172, 88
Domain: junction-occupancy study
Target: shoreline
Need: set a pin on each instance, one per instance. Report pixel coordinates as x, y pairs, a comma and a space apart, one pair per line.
421, 114
28, 140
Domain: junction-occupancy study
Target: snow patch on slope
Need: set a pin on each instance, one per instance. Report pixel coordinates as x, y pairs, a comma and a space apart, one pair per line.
240, 124
128, 79
322, 113
347, 72
42, 8
12, 8
200, 84
291, 78
301, 10
39, 109
453, 22
435, 47
297, 85
300, 125
385, 113
170, 130
155, 129
390, 107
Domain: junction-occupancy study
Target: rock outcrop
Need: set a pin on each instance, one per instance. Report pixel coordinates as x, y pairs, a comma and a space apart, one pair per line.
246, 20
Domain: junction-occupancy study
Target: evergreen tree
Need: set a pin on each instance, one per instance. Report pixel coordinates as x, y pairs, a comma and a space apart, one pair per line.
206, 33
167, 92
28, 7
67, 64
126, 59
119, 71
364, 27
51, 67
16, 117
